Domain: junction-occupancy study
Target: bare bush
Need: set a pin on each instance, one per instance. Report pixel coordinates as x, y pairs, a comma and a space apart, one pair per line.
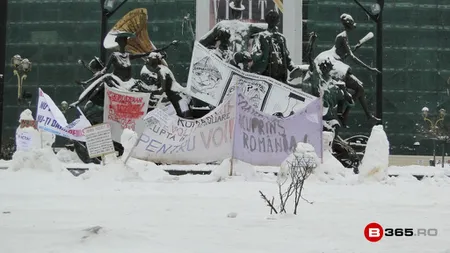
291, 180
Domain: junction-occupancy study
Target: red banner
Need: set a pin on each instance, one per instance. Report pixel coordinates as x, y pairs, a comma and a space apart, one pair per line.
123, 109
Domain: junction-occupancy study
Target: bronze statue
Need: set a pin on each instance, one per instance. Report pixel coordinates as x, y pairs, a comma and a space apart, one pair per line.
121, 60
160, 81
232, 37
270, 54
342, 71
237, 9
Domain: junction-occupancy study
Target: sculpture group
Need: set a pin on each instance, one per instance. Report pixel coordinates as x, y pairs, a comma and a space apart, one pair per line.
255, 48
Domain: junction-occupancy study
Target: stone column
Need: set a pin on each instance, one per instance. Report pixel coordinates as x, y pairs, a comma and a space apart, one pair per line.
293, 28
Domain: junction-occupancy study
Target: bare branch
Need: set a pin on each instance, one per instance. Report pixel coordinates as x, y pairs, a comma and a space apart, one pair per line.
272, 208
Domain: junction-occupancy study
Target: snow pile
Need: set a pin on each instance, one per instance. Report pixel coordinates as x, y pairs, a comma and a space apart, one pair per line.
376, 157
113, 170
35, 149
47, 139
66, 156
43, 159
233, 167
27, 137
439, 179
147, 170
331, 170
222, 171
128, 139
244, 170
26, 115
401, 179
304, 156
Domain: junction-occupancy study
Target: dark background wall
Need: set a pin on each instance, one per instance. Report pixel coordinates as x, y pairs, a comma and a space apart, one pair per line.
416, 62
54, 34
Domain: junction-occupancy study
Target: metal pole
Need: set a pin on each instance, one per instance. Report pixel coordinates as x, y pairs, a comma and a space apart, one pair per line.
443, 153
103, 32
434, 152
379, 64
3, 21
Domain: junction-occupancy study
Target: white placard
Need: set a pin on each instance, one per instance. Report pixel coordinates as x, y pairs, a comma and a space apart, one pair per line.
24, 140
99, 140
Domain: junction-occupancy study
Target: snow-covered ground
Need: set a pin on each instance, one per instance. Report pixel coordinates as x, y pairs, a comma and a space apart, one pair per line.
103, 211
141, 208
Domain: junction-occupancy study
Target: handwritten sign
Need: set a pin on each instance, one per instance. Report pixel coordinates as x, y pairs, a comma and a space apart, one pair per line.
176, 140
124, 109
24, 141
99, 140
156, 115
262, 139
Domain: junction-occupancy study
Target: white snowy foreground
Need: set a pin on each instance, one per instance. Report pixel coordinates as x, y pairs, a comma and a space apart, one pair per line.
116, 211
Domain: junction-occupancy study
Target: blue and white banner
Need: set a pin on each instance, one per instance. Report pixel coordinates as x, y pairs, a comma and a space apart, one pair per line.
51, 119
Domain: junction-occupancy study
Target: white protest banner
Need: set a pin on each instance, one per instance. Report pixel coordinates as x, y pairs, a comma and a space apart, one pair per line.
171, 139
212, 81
52, 120
99, 140
124, 110
208, 76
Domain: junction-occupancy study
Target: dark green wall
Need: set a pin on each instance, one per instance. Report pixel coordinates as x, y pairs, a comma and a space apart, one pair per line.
416, 62
54, 34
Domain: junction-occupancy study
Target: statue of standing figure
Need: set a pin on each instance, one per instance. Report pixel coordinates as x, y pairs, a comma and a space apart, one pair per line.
121, 61
342, 72
270, 54
232, 38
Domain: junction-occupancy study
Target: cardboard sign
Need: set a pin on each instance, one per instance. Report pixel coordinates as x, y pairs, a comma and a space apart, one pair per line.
99, 140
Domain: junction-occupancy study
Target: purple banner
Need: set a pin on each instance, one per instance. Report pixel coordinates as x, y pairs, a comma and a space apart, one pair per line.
266, 140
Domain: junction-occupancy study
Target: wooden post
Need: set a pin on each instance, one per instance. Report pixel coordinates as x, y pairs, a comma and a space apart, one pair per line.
231, 166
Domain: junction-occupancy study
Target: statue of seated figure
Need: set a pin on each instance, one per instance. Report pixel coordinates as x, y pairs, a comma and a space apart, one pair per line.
341, 71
